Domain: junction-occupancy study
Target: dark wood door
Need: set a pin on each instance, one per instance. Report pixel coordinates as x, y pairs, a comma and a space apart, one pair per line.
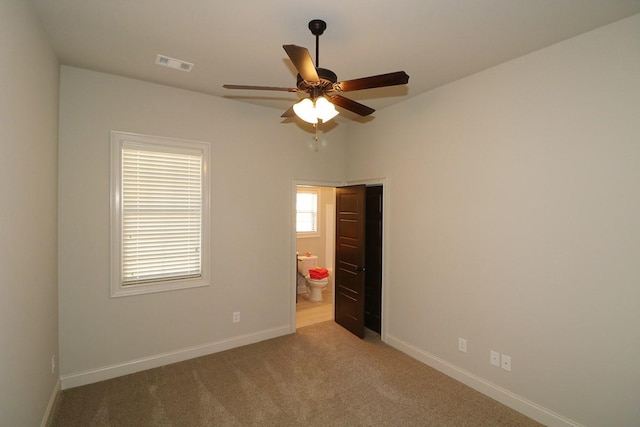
373, 256
350, 258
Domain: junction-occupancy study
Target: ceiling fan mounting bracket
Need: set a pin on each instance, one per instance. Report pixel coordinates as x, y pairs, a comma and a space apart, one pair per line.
317, 27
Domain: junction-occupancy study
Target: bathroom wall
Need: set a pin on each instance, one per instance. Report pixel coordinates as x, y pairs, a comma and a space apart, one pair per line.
514, 221
318, 245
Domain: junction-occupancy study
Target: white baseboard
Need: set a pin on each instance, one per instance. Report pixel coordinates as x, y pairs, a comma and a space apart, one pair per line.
155, 361
504, 396
52, 404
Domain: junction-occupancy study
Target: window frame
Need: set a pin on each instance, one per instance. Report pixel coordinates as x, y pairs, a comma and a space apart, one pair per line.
119, 141
316, 191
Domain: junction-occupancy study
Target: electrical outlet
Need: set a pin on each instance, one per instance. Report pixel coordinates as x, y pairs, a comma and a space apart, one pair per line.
506, 362
462, 345
53, 363
236, 317
494, 358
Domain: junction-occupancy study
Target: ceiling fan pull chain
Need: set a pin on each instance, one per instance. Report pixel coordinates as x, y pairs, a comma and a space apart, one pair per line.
315, 127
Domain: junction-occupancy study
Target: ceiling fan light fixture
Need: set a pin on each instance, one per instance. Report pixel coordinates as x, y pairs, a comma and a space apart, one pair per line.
306, 111
325, 110
313, 110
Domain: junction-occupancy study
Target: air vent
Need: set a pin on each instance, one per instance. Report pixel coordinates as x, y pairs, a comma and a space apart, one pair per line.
177, 64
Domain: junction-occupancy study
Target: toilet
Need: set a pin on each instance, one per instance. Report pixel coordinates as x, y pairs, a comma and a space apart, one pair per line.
315, 287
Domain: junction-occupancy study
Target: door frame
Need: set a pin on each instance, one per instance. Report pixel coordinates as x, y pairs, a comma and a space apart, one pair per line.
382, 181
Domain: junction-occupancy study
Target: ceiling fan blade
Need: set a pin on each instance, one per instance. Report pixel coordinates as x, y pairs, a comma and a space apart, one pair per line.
289, 113
284, 89
381, 80
351, 105
302, 61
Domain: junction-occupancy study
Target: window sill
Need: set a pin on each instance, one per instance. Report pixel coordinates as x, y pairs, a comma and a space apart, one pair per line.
151, 288
307, 235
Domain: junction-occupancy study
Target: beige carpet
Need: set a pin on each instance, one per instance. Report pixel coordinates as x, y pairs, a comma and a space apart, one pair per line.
320, 376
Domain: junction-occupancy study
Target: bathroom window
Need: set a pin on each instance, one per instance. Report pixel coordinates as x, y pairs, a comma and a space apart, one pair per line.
307, 212
159, 214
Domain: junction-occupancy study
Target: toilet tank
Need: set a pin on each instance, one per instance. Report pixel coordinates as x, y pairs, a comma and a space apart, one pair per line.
306, 262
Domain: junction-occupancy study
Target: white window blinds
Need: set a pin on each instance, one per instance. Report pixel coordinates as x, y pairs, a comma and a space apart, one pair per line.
307, 211
161, 211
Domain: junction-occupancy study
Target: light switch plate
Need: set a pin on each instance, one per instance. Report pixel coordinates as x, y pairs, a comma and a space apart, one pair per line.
494, 358
506, 362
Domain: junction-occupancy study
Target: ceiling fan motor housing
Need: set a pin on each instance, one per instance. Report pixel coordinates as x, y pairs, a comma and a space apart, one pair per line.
327, 79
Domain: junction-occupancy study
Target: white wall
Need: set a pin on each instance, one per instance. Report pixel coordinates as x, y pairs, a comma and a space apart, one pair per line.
514, 215
28, 219
255, 160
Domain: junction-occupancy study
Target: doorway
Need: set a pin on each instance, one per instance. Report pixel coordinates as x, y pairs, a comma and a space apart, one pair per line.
372, 295
315, 236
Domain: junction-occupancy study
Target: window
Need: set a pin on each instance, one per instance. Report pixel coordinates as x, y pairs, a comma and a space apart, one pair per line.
307, 212
159, 214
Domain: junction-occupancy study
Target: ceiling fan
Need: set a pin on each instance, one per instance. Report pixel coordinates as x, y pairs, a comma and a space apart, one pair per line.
323, 86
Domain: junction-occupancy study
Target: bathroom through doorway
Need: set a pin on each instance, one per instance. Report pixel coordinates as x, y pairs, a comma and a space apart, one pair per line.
315, 242
320, 243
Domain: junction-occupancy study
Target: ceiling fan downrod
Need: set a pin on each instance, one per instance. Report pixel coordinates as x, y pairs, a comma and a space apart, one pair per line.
317, 27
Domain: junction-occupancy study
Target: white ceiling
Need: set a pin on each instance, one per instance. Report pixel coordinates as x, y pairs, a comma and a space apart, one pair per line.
240, 42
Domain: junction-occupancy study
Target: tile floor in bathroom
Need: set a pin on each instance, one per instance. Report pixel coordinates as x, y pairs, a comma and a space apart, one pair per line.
309, 312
